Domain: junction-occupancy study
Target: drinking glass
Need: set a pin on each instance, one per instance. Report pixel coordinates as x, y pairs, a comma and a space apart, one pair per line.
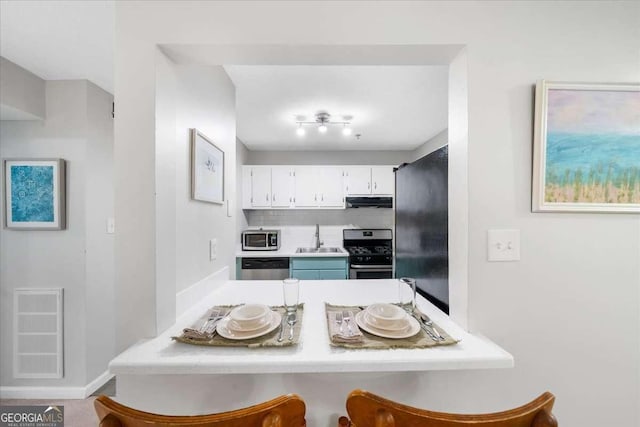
407, 293
291, 291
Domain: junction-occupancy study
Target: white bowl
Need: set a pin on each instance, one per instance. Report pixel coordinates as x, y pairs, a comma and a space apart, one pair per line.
385, 315
250, 316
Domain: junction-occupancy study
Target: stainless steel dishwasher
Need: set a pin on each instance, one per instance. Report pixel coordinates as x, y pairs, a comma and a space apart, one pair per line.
267, 268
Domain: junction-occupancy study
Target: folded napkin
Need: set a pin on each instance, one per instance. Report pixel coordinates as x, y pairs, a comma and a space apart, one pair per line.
194, 334
340, 332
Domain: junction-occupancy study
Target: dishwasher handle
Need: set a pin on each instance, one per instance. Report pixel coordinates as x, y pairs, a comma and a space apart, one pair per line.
265, 263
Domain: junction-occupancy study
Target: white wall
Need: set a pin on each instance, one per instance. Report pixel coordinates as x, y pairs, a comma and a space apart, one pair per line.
79, 129
242, 154
22, 93
328, 157
578, 277
438, 141
206, 101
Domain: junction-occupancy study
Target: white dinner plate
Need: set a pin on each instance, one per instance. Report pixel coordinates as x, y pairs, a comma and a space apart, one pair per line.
412, 329
400, 325
231, 334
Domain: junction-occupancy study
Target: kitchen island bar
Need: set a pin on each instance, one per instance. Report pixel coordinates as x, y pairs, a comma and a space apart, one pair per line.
160, 375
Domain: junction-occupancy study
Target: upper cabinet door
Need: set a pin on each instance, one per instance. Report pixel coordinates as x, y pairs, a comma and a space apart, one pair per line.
261, 186
281, 187
358, 180
246, 187
330, 186
305, 194
382, 180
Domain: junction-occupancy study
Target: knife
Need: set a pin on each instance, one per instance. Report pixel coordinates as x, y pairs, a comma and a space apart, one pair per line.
425, 320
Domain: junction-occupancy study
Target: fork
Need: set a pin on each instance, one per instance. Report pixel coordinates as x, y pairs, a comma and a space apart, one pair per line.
339, 322
213, 316
346, 318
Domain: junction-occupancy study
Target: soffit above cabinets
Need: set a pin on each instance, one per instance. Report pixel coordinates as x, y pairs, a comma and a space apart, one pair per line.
392, 107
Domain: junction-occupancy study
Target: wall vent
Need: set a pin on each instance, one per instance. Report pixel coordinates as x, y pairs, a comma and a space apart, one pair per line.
37, 333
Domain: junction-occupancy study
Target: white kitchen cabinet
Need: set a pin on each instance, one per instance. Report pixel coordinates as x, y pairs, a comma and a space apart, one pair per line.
306, 189
330, 193
357, 180
261, 186
383, 180
369, 180
282, 185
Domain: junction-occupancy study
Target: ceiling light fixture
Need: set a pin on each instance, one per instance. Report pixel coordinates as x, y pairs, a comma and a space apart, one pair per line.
323, 120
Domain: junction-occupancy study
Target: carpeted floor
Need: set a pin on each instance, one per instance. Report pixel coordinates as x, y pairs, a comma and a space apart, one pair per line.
77, 413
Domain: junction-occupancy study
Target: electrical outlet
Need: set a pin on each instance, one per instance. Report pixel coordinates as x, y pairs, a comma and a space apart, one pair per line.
503, 245
213, 249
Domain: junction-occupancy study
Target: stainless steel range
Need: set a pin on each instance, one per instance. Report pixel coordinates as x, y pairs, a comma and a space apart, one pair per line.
370, 253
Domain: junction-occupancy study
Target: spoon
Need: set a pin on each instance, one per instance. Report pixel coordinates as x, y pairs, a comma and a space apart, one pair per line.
281, 336
428, 322
291, 320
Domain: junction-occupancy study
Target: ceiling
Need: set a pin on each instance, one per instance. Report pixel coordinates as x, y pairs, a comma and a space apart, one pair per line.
60, 40
393, 107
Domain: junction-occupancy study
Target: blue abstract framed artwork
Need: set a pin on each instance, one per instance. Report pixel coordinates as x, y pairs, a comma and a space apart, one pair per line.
586, 155
34, 194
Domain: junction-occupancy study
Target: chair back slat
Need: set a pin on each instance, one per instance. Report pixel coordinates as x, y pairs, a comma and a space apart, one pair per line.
366, 410
283, 411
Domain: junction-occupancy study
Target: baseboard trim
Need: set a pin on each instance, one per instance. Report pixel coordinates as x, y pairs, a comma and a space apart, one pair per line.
192, 295
55, 392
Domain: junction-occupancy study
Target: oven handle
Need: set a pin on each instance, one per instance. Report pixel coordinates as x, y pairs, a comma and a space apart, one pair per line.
371, 267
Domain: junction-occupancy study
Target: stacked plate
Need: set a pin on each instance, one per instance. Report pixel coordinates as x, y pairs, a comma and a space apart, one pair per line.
387, 321
248, 321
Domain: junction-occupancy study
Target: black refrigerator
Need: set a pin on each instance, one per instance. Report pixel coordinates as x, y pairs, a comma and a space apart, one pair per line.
422, 209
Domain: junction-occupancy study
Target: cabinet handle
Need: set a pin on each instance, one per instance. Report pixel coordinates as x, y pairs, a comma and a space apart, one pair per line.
368, 186
375, 185
315, 198
267, 197
322, 198
274, 197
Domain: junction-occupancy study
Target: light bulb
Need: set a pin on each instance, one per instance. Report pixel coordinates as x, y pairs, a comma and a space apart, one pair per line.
322, 128
300, 131
346, 131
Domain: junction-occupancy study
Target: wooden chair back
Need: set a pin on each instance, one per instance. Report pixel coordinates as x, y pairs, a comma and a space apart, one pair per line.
283, 411
368, 410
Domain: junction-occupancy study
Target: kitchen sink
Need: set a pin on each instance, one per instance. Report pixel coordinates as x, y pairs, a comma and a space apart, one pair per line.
318, 250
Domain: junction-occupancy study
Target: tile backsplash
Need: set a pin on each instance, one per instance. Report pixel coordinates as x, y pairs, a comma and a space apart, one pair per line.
360, 218
298, 226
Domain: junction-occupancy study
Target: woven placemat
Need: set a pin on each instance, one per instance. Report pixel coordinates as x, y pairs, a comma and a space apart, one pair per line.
268, 340
370, 341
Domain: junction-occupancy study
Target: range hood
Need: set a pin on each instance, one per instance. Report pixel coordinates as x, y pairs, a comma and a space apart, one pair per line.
369, 202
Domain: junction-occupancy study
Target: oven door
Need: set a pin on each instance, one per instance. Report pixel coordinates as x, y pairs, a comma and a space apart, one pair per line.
370, 272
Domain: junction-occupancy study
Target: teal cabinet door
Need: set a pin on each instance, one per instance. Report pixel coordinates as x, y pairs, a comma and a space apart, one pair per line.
305, 274
332, 274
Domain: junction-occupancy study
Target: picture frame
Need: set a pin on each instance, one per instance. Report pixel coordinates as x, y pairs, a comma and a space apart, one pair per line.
34, 194
586, 148
207, 169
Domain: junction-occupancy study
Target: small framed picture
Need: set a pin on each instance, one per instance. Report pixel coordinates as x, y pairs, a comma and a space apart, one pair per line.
34, 192
207, 169
586, 148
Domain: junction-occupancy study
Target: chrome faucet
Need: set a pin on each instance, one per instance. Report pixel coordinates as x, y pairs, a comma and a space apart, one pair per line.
317, 237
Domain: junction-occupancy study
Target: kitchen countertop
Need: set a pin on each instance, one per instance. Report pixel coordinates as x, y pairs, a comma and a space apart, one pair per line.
289, 251
313, 354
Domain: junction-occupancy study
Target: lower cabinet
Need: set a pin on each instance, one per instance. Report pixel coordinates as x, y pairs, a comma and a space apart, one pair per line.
309, 268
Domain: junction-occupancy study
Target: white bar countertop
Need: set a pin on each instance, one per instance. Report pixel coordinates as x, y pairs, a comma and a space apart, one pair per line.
313, 354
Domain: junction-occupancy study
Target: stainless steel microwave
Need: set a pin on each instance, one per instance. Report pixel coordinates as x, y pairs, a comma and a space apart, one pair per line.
261, 240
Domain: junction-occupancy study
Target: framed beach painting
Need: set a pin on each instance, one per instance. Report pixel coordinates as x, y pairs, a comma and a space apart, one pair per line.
207, 169
34, 194
586, 152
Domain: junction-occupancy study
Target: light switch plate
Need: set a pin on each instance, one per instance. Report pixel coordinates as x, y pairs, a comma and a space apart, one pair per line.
503, 245
111, 225
213, 249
